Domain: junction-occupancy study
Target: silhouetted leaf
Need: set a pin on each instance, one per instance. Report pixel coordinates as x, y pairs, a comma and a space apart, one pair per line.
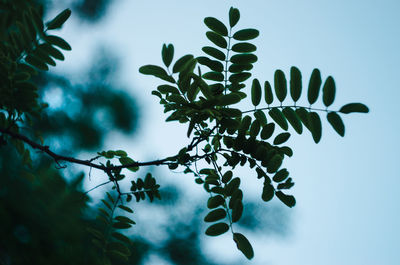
274, 163
167, 54
336, 122
269, 97
59, 20
288, 200
255, 92
244, 47
268, 192
293, 119
57, 41
314, 86
315, 126
215, 215
237, 211
239, 77
234, 16
217, 54
125, 208
260, 116
180, 64
281, 138
354, 107
267, 131
278, 117
217, 39
243, 244
216, 26
246, 34
295, 83
214, 76
214, 202
217, 229
244, 58
281, 175
328, 91
280, 85
228, 99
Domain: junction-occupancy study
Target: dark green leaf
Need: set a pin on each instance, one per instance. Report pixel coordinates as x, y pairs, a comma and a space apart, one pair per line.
289, 200
239, 77
243, 244
260, 116
232, 186
214, 76
267, 131
281, 175
281, 138
52, 51
336, 122
119, 225
237, 210
328, 91
234, 16
227, 176
314, 86
354, 107
244, 47
36, 62
59, 20
293, 119
127, 161
256, 92
214, 202
121, 237
181, 63
295, 83
303, 114
216, 26
57, 41
215, 215
214, 52
124, 219
278, 117
217, 229
246, 34
245, 124
216, 66
315, 126
237, 68
268, 192
255, 129
280, 85
274, 163
125, 208
269, 97
165, 89
228, 99
217, 39
244, 58
167, 54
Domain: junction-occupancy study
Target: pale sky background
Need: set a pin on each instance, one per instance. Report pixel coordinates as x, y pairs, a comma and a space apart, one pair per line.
347, 210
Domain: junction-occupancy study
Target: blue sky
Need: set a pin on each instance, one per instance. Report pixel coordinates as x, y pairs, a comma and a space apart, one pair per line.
347, 195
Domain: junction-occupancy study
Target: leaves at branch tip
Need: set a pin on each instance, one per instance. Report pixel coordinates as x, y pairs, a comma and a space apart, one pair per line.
156, 71
167, 54
59, 20
234, 16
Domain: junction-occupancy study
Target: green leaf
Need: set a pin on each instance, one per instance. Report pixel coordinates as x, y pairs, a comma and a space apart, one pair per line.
119, 225
214, 76
217, 229
293, 119
244, 124
57, 41
336, 122
237, 210
165, 89
124, 219
295, 83
239, 77
267, 131
274, 163
125, 208
53, 52
303, 114
232, 186
36, 62
315, 126
281, 175
354, 107
269, 97
260, 116
217, 39
234, 16
280, 85
244, 58
215, 215
278, 117
37, 20
268, 192
256, 92
237, 68
121, 237
288, 200
244, 47
216, 66
180, 64
255, 129
167, 54
214, 52
246, 34
59, 20
227, 176
328, 91
281, 138
127, 161
228, 99
314, 86
216, 26
214, 202
243, 244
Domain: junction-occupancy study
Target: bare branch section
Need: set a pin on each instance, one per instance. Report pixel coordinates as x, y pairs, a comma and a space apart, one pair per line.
89, 163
